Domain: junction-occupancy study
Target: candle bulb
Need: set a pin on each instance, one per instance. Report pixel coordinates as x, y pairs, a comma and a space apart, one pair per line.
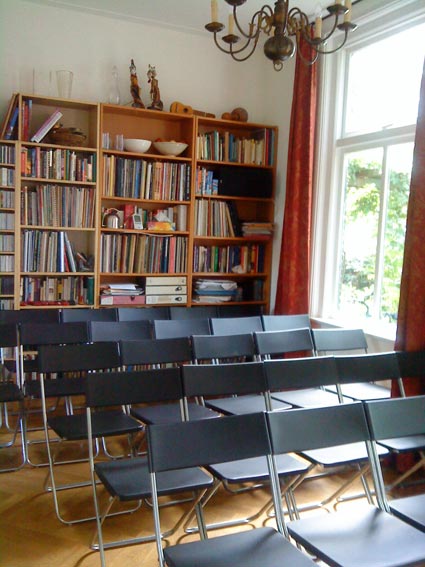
231, 24
347, 16
318, 28
214, 11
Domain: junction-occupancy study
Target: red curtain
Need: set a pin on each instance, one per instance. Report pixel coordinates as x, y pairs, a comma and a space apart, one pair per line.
292, 294
411, 313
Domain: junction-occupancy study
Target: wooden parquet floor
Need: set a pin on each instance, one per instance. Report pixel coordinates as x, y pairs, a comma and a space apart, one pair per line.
32, 536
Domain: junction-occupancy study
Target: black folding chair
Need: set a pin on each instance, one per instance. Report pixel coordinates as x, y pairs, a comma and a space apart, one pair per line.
127, 480
142, 313
212, 380
217, 440
103, 331
180, 328
76, 361
195, 312
85, 314
399, 425
368, 535
11, 399
156, 353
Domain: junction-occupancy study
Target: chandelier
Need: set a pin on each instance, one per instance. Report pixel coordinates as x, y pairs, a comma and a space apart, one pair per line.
280, 24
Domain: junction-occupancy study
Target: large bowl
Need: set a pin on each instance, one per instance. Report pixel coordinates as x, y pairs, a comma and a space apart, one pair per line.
170, 148
137, 145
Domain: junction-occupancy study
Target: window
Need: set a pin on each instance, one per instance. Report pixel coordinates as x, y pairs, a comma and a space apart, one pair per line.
361, 211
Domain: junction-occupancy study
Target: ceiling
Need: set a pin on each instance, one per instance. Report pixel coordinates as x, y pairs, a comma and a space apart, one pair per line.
187, 15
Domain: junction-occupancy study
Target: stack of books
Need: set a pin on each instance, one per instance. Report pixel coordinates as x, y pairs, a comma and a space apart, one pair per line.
214, 291
257, 230
121, 293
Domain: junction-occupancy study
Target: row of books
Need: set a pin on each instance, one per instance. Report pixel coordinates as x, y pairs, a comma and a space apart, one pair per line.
61, 164
58, 205
134, 253
227, 147
72, 290
7, 200
7, 263
7, 221
44, 251
7, 177
229, 259
213, 218
206, 184
142, 179
6, 285
7, 154
7, 242
6, 304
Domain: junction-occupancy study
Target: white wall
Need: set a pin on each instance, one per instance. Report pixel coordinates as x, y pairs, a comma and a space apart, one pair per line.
36, 40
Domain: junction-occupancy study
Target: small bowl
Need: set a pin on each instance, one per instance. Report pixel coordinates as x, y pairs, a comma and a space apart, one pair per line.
136, 145
170, 148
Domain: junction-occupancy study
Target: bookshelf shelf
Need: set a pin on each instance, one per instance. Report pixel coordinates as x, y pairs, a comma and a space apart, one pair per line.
54, 202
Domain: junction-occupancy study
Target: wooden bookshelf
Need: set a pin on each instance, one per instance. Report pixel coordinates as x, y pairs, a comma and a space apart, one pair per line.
64, 251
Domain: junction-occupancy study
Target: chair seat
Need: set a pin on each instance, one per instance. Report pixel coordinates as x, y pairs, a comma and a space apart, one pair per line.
360, 538
262, 547
106, 423
9, 392
243, 404
171, 413
255, 469
363, 391
400, 444
410, 509
307, 397
340, 454
128, 479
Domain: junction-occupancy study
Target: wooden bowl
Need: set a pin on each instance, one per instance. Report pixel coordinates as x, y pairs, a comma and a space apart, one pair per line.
67, 137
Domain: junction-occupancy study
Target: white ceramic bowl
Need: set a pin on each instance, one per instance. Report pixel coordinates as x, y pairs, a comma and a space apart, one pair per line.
170, 148
137, 145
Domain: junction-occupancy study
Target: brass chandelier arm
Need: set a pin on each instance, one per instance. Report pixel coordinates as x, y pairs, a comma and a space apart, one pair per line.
234, 52
259, 26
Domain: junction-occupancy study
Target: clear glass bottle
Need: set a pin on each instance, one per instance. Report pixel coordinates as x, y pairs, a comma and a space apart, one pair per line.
114, 91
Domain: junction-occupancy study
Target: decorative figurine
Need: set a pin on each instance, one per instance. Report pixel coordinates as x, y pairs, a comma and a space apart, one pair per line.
134, 87
156, 102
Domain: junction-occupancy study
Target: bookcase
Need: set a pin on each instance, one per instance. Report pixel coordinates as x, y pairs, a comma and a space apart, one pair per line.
8, 197
203, 216
234, 208
55, 205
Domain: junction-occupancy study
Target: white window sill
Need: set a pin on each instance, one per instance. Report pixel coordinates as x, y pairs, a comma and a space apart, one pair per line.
377, 331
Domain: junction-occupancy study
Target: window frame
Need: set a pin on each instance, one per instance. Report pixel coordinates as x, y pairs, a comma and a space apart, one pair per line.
331, 148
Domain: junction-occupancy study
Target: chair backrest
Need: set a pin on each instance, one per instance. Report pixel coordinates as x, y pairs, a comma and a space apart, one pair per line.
180, 328
367, 367
145, 386
83, 314
216, 440
332, 340
35, 334
223, 379
9, 336
142, 313
120, 330
305, 429
195, 312
396, 417
236, 310
285, 322
78, 357
411, 363
219, 347
156, 351
30, 316
235, 325
270, 343
299, 373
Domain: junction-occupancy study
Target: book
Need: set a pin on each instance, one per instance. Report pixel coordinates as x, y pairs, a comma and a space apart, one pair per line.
12, 123
47, 126
13, 106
